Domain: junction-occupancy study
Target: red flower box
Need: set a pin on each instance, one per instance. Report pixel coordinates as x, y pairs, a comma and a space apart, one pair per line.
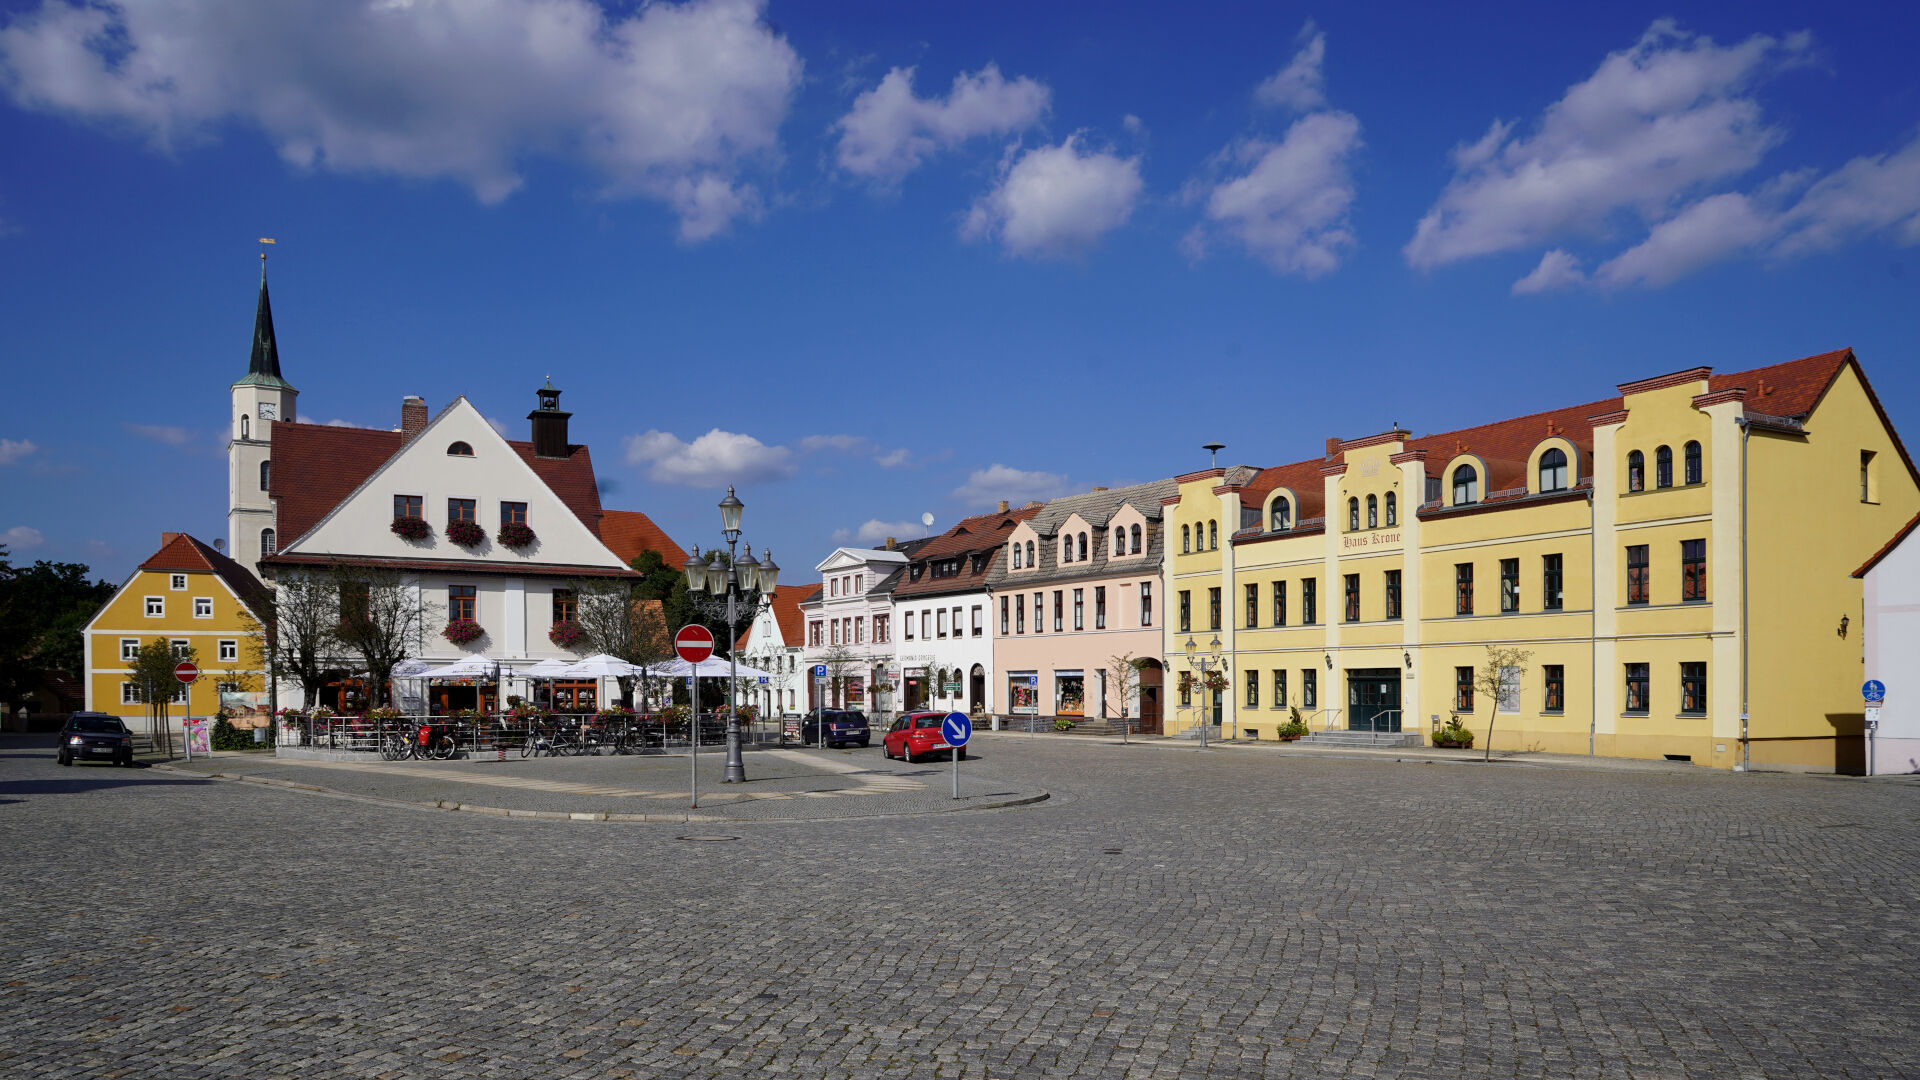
566, 634
411, 528
462, 631
515, 535
465, 533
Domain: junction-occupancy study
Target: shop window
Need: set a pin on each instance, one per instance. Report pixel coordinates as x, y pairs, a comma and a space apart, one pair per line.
1553, 470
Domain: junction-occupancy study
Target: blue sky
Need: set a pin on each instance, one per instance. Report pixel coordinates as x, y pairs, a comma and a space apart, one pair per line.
866, 261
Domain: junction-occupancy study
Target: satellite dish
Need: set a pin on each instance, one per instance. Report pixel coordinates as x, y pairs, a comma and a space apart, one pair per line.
927, 519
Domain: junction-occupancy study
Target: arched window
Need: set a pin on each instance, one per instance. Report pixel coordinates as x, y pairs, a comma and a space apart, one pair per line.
1030, 560
1393, 510
1663, 467
1213, 535
1636, 472
267, 546
1692, 452
1282, 514
1119, 541
1553, 470
1373, 512
1466, 485
266, 474
1353, 515
1066, 549
1016, 556
1184, 545
246, 427
1136, 539
1083, 547
459, 449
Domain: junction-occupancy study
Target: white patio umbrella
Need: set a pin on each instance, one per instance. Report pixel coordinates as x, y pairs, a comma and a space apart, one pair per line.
713, 667
547, 669
472, 667
599, 666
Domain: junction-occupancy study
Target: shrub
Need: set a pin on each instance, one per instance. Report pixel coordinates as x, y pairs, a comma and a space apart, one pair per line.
411, 528
1454, 734
566, 634
515, 534
1293, 729
465, 533
462, 631
228, 737
1061, 723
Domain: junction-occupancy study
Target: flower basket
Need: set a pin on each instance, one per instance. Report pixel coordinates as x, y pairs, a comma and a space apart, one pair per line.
465, 533
462, 631
566, 634
411, 528
514, 534
1453, 735
613, 712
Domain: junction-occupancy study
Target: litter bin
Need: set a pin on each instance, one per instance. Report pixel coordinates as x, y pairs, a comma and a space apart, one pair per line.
259, 734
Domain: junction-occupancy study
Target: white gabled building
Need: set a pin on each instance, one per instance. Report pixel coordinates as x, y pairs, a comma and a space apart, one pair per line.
1891, 611
849, 627
945, 614
773, 643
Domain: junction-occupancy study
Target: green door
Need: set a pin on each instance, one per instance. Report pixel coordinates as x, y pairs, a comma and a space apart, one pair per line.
1373, 699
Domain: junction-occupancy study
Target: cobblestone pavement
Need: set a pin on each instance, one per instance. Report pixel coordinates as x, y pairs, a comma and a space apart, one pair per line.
1165, 915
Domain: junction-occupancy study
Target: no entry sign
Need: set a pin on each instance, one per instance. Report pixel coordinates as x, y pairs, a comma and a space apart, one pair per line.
185, 671
693, 643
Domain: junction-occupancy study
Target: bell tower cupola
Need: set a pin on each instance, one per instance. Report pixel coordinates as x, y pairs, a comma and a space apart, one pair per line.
549, 423
261, 399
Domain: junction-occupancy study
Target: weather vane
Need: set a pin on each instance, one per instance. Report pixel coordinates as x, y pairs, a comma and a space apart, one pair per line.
263, 251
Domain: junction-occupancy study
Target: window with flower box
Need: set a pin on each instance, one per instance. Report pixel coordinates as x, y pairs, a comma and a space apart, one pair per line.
462, 601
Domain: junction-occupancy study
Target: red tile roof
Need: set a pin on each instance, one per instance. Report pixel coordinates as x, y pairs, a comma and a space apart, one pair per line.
454, 566
983, 533
1788, 389
629, 532
786, 609
178, 551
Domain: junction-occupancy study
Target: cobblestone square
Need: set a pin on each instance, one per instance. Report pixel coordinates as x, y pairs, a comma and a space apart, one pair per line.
1165, 913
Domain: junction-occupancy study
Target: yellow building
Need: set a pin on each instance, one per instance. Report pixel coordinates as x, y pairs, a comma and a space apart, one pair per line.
194, 597
1677, 561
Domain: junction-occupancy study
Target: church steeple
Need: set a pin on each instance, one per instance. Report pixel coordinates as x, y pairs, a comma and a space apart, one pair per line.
263, 368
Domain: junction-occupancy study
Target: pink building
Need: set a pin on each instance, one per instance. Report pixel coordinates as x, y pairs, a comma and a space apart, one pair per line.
1076, 593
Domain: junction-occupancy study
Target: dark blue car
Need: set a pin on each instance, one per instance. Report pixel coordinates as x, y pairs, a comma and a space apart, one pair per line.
843, 726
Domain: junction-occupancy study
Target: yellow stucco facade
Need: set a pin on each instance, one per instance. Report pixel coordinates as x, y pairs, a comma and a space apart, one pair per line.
1660, 597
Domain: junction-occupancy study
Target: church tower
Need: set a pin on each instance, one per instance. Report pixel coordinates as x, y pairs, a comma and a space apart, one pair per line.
260, 399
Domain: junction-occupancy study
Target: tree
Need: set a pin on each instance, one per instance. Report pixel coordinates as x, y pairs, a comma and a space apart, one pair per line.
382, 619
154, 684
623, 625
668, 584
1126, 678
1499, 681
300, 634
43, 608
842, 664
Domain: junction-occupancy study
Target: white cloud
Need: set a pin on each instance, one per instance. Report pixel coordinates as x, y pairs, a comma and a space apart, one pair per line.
1705, 232
1289, 208
1652, 124
166, 434
890, 132
337, 422
894, 459
499, 426
1866, 195
986, 487
1557, 269
672, 103
1056, 200
718, 457
1300, 85
12, 450
22, 536
875, 531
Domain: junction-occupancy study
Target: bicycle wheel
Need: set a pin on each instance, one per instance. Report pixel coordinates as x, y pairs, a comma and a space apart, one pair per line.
442, 748
389, 750
530, 744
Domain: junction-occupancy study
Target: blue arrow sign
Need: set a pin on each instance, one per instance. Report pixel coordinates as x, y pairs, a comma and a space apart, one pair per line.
1874, 690
958, 728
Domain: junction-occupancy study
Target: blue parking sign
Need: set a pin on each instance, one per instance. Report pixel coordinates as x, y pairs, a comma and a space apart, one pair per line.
819, 671
1033, 680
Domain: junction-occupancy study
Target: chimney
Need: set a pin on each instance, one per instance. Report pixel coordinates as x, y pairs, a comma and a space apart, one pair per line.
1003, 506
168, 538
413, 416
889, 543
1333, 446
1099, 489
549, 423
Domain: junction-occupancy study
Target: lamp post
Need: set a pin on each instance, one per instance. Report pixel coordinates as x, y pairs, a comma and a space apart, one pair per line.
732, 594
1207, 661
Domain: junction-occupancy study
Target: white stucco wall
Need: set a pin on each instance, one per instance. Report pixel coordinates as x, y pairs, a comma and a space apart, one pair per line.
1892, 642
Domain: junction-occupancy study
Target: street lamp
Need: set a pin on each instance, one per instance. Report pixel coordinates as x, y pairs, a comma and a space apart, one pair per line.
730, 591
1208, 661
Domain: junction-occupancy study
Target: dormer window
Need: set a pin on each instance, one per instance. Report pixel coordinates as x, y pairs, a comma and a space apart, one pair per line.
1083, 547
1030, 559
459, 449
1016, 557
1553, 470
1136, 539
1282, 514
1466, 485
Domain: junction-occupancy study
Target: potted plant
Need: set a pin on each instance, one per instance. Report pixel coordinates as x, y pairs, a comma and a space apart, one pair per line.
1289, 731
465, 533
412, 528
566, 634
1453, 735
515, 534
462, 631
1061, 723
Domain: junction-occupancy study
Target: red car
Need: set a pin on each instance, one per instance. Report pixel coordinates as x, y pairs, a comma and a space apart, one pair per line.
916, 735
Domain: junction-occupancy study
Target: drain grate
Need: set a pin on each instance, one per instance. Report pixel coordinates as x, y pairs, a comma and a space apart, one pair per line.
711, 839
1110, 851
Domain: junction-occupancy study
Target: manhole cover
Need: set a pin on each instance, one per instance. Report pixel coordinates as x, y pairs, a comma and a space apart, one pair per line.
709, 839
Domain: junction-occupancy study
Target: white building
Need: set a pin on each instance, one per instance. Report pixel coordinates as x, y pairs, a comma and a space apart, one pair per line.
1892, 640
850, 628
774, 643
945, 613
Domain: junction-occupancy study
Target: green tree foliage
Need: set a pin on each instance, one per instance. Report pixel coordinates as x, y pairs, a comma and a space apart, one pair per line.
668, 584
42, 610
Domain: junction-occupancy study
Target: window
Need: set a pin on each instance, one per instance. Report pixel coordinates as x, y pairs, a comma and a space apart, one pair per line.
1016, 557
1279, 688
459, 449
156, 606
268, 543
882, 629
1509, 584
1393, 510
1186, 610
129, 693
926, 625
229, 650
246, 429
513, 513
1213, 535
1692, 454
1637, 688
266, 474
564, 608
177, 582
940, 622
1119, 541
1554, 699
1353, 515
226, 688
1552, 583
1463, 689
1030, 562
813, 633
1039, 612
1134, 533
1309, 689
1869, 477
1309, 601
1463, 588
129, 648
182, 648
1253, 689
833, 632
1279, 603
1066, 549
203, 607
1466, 485
1508, 700
1373, 512
1353, 597
1082, 557
859, 631
1213, 609
1186, 693
1146, 603
1636, 472
1693, 569
1185, 546
460, 601
1059, 610
1553, 470
1253, 606
1282, 514
1393, 594
1019, 614
1663, 467
1693, 689
1079, 610
1639, 579
1005, 621
1099, 607
409, 506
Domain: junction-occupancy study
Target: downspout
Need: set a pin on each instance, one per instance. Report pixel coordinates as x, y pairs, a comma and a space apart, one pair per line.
1746, 763
1593, 620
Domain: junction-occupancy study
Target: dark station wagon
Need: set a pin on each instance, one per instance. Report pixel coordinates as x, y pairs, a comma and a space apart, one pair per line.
95, 737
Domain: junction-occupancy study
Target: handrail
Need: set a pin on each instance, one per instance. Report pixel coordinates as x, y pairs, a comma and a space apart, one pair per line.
1333, 715
1376, 719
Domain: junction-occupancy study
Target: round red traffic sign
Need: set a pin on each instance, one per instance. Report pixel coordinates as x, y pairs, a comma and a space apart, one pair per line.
185, 671
693, 643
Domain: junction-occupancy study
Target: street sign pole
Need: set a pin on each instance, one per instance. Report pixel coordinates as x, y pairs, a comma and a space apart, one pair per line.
958, 729
693, 754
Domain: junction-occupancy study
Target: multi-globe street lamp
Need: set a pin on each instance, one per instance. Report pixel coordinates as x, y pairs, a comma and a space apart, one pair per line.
730, 592
1207, 662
